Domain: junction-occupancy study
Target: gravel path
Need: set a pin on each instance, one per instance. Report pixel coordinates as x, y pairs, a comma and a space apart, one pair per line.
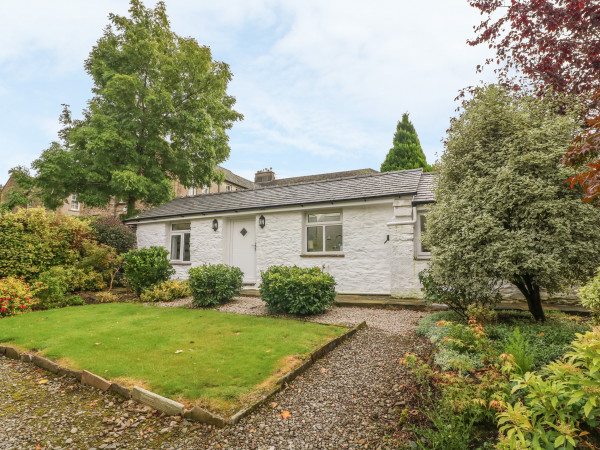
349, 399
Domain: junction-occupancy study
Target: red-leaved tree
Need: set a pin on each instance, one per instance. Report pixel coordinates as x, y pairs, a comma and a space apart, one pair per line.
551, 44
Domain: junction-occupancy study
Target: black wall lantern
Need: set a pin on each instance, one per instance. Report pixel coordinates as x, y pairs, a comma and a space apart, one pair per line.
262, 221
215, 225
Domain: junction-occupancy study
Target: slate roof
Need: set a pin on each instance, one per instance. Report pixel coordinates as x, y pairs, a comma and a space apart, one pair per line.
236, 179
426, 188
377, 185
318, 177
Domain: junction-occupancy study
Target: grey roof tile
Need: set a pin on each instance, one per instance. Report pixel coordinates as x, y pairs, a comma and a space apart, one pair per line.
377, 185
426, 189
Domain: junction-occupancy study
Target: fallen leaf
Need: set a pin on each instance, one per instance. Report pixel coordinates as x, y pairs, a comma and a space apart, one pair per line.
44, 381
178, 351
286, 414
323, 370
97, 343
273, 404
251, 430
92, 404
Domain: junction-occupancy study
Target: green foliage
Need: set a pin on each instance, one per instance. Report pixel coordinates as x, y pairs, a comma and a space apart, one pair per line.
31, 241
503, 211
22, 191
111, 231
107, 297
517, 347
167, 291
590, 296
159, 110
146, 267
297, 290
560, 406
214, 284
57, 282
16, 296
483, 314
406, 152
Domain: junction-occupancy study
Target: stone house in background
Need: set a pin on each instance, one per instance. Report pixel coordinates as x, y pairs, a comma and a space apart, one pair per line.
363, 227
73, 207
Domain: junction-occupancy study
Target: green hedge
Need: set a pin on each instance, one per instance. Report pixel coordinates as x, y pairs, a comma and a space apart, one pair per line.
297, 290
146, 267
214, 284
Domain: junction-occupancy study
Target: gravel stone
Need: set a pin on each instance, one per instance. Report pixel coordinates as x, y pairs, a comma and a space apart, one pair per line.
351, 398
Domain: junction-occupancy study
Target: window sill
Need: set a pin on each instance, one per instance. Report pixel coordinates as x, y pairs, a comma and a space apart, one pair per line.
423, 258
322, 255
180, 263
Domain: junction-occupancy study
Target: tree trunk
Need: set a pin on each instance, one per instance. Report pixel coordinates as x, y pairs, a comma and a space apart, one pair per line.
531, 291
130, 207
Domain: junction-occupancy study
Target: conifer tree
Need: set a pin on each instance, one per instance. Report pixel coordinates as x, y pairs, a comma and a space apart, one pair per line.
406, 152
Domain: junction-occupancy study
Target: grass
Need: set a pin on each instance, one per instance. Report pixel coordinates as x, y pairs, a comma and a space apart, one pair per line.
225, 358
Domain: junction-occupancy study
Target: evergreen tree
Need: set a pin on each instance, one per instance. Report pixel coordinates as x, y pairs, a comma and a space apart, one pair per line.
406, 152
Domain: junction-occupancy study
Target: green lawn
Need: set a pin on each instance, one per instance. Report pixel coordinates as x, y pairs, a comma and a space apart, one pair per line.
225, 359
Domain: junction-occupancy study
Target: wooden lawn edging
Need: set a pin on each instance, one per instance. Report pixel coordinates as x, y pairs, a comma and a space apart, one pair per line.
166, 405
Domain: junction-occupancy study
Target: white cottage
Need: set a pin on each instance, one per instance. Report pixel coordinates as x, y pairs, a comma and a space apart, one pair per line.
364, 230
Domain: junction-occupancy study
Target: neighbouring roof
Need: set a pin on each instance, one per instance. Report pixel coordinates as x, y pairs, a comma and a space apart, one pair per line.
376, 185
236, 179
318, 177
426, 188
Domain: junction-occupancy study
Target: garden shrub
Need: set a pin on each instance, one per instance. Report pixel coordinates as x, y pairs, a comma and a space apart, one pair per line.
297, 290
107, 297
560, 406
214, 284
111, 231
146, 267
16, 296
55, 285
167, 291
590, 296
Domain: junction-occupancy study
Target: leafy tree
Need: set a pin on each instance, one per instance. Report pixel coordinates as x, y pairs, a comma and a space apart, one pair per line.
503, 211
159, 111
406, 152
22, 192
555, 46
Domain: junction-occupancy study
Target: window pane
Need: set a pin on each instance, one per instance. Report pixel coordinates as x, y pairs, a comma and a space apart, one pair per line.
180, 226
175, 246
329, 217
423, 226
186, 247
314, 239
333, 238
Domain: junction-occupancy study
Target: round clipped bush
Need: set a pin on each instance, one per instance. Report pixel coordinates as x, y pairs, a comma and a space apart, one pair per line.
297, 290
214, 284
167, 291
146, 267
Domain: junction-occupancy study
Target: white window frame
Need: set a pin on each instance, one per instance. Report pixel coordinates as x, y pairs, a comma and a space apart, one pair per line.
308, 224
74, 204
205, 189
192, 191
419, 253
228, 188
182, 233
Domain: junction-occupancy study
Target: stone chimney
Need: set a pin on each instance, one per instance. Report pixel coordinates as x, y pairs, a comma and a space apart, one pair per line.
264, 176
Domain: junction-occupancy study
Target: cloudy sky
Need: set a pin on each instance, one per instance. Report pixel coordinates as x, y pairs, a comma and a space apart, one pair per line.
321, 83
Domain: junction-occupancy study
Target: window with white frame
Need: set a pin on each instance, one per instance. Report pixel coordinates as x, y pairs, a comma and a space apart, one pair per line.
74, 203
228, 187
180, 242
324, 232
192, 191
421, 250
205, 189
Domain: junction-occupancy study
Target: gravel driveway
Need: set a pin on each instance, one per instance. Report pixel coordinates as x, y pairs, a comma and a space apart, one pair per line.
349, 399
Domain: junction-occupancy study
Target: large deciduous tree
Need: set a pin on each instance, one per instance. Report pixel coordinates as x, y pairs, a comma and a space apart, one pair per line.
553, 44
406, 152
160, 111
503, 210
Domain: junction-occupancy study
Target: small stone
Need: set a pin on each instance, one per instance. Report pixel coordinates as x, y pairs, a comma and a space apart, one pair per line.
73, 430
69, 441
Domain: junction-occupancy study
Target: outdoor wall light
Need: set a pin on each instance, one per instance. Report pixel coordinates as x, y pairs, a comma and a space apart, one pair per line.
215, 225
262, 221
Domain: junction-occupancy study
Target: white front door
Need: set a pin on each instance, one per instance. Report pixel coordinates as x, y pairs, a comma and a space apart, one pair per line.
243, 248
